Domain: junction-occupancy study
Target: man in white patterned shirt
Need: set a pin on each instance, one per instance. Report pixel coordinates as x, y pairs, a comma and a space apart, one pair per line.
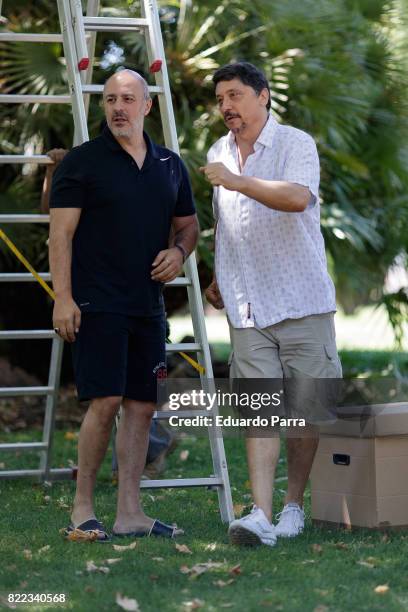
271, 275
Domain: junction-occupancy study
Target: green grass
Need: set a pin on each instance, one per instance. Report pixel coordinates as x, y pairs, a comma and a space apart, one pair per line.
354, 362
295, 575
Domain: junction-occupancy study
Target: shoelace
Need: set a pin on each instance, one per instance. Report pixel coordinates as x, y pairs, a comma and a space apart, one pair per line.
290, 509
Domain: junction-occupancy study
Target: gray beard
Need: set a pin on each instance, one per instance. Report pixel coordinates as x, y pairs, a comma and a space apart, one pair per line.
122, 132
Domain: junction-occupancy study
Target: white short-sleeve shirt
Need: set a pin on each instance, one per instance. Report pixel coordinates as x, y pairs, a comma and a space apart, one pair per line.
270, 265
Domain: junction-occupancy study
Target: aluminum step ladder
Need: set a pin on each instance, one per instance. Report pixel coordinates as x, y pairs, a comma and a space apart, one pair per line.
78, 38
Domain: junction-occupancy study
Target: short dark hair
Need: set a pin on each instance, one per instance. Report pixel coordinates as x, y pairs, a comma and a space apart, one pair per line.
247, 73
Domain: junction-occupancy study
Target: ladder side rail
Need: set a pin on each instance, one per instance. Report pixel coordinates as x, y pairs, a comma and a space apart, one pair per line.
155, 50
92, 10
51, 405
208, 385
74, 79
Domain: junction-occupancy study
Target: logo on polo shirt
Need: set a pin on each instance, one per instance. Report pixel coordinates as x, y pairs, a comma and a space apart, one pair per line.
165, 158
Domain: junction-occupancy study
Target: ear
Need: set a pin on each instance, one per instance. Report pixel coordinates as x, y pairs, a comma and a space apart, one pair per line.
148, 106
264, 97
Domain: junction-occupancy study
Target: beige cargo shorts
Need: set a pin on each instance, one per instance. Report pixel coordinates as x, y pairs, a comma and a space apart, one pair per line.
299, 356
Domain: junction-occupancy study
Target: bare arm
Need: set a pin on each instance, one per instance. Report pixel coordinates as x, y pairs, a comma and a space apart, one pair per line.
66, 315
212, 293
168, 263
57, 155
278, 195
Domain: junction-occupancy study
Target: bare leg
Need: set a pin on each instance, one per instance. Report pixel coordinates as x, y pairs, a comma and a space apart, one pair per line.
262, 455
93, 442
131, 447
301, 453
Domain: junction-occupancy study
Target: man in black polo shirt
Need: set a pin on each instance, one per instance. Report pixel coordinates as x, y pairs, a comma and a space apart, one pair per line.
114, 201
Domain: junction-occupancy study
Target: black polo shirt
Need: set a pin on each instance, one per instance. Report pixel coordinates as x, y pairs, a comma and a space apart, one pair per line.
125, 221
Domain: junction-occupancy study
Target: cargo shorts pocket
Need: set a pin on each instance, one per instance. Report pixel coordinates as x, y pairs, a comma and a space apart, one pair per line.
334, 369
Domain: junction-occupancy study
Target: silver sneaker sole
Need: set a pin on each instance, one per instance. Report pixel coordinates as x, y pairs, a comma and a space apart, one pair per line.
243, 537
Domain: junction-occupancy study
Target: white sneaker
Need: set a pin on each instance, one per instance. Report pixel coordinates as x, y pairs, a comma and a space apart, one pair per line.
252, 530
291, 521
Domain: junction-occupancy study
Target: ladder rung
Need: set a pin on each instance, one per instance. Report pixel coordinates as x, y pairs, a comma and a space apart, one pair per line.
19, 391
24, 218
34, 99
185, 347
23, 446
29, 37
181, 281
181, 482
54, 474
27, 334
114, 24
166, 414
25, 159
21, 277
93, 88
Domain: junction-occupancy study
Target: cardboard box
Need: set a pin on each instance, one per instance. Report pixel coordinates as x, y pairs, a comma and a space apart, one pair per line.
360, 473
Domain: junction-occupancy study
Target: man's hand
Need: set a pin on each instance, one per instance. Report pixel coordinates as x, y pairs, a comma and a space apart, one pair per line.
167, 265
66, 318
218, 174
213, 295
57, 155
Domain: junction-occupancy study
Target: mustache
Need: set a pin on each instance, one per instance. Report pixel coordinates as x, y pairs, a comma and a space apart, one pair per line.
119, 115
231, 116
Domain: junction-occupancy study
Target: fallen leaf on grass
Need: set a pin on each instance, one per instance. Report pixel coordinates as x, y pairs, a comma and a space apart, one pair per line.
71, 435
112, 561
321, 592
89, 589
91, 567
381, 589
212, 546
153, 577
341, 545
27, 554
198, 569
122, 548
317, 548
257, 574
2, 465
23, 584
194, 604
44, 549
366, 564
184, 455
223, 583
238, 509
306, 561
320, 608
384, 538
236, 570
182, 548
157, 559
126, 603
61, 504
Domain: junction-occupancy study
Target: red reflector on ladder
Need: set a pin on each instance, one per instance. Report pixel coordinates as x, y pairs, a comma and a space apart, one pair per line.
156, 66
83, 63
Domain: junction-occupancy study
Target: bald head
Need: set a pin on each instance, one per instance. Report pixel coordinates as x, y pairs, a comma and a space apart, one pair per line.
128, 76
126, 101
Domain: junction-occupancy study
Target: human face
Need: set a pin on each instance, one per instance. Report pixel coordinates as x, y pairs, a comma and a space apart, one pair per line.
241, 107
125, 105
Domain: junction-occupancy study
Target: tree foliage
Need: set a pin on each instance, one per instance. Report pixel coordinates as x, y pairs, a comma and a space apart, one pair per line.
337, 69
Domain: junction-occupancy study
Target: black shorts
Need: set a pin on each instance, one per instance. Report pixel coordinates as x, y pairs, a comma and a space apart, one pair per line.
119, 355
